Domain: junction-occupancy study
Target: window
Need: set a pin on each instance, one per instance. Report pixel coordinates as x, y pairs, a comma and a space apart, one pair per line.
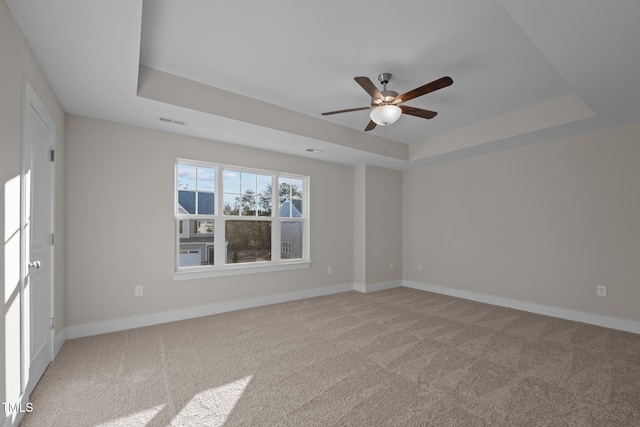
230, 220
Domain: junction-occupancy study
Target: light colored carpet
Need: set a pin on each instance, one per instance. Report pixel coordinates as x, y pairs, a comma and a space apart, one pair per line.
395, 357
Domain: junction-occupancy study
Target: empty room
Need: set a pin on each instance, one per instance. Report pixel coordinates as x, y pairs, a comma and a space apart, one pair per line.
320, 213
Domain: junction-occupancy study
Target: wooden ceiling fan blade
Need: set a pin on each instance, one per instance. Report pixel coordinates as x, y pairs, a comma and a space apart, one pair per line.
369, 87
370, 126
418, 112
423, 90
328, 113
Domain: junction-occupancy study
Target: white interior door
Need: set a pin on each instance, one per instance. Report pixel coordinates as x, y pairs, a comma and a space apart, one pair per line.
38, 141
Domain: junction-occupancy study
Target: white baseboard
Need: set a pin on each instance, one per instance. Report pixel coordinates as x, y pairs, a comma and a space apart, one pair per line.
563, 313
13, 419
374, 287
190, 313
59, 341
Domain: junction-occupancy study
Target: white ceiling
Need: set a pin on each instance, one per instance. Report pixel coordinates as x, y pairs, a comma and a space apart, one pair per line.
288, 61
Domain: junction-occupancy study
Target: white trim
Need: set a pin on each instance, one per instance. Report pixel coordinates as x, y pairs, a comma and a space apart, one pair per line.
232, 270
9, 422
220, 266
31, 102
79, 331
189, 313
563, 313
59, 341
374, 287
12, 419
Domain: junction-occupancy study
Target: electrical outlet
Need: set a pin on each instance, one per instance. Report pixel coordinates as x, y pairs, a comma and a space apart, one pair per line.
419, 267
330, 270
601, 291
138, 291
390, 266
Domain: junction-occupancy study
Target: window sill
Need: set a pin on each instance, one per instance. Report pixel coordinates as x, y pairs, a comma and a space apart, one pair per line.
234, 270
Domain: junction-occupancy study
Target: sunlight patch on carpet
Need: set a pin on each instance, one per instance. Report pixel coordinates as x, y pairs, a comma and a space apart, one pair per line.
213, 406
137, 419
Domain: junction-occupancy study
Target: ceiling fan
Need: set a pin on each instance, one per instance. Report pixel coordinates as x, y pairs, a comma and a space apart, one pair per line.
386, 106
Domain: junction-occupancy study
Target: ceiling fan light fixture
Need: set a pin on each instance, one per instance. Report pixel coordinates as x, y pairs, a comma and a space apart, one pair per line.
384, 105
385, 115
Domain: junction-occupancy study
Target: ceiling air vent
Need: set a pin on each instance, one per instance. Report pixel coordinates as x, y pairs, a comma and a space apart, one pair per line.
173, 121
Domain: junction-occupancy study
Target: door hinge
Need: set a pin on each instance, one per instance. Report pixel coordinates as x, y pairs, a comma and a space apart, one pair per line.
51, 239
52, 322
53, 155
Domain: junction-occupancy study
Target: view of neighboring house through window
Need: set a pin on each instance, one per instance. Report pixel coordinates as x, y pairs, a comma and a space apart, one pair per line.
195, 212
225, 217
290, 197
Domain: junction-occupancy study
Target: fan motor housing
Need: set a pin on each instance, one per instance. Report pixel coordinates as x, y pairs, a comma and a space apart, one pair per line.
387, 97
384, 78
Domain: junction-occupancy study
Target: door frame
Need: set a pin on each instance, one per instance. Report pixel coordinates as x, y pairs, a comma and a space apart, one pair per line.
31, 101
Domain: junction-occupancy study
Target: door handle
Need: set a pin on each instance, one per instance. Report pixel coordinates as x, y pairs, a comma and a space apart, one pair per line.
34, 264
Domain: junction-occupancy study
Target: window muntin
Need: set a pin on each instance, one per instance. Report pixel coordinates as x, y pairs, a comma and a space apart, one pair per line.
291, 192
196, 189
196, 243
246, 230
247, 194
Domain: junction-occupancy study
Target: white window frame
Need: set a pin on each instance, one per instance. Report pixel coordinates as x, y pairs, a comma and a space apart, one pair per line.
220, 267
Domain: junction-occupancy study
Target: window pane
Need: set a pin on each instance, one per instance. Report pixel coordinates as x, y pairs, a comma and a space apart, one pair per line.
264, 184
296, 209
205, 203
284, 208
231, 204
290, 193
248, 241
241, 194
206, 179
231, 182
290, 208
248, 203
284, 187
196, 242
186, 177
296, 188
248, 182
291, 236
264, 195
195, 189
247, 194
186, 202
290, 187
264, 205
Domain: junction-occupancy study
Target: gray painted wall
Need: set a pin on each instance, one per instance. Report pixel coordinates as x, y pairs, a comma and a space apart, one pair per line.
108, 161
17, 63
544, 223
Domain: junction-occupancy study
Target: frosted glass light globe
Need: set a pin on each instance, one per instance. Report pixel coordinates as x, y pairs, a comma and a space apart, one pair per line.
385, 114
